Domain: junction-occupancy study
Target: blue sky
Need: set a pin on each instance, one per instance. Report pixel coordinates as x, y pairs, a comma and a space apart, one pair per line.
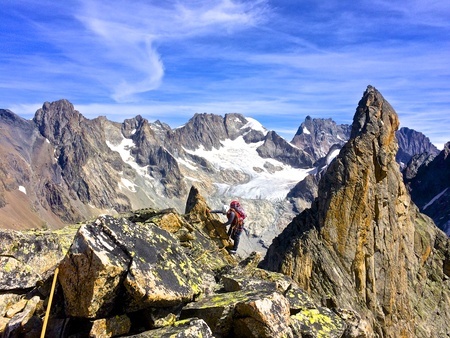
275, 61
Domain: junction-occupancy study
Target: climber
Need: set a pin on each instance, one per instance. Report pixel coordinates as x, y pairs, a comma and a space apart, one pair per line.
235, 215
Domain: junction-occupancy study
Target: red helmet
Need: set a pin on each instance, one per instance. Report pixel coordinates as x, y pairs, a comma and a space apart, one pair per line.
234, 204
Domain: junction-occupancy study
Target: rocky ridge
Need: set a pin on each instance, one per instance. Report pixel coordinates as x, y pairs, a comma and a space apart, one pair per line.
363, 244
153, 273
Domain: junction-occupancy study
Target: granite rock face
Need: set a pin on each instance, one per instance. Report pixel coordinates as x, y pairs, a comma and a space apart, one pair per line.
364, 245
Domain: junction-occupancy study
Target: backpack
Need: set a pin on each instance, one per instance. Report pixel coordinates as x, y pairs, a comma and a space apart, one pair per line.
235, 205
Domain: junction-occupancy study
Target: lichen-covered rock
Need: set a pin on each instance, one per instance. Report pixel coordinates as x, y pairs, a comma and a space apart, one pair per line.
265, 317
189, 328
14, 275
92, 273
298, 299
317, 323
160, 274
115, 259
246, 276
110, 327
263, 313
27, 256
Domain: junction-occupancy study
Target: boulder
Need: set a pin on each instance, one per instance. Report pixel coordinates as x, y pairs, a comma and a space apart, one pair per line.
267, 316
263, 313
28, 256
110, 327
189, 328
317, 322
92, 273
115, 262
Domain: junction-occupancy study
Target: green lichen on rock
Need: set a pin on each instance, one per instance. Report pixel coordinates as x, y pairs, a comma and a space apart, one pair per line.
318, 322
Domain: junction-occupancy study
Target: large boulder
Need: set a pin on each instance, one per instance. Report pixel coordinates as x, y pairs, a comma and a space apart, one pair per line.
115, 262
188, 328
263, 313
27, 257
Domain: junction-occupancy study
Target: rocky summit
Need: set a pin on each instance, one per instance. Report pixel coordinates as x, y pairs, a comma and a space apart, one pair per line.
363, 245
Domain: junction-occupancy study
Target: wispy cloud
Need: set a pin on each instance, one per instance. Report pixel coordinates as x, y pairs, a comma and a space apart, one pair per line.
275, 61
129, 39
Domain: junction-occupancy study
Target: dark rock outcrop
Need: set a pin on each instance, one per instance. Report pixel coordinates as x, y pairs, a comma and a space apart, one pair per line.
430, 188
364, 245
276, 147
414, 164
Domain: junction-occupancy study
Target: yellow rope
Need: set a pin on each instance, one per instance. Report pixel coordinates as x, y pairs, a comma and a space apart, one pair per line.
49, 305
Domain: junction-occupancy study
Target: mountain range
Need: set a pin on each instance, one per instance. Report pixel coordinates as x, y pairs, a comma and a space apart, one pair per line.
361, 261
61, 167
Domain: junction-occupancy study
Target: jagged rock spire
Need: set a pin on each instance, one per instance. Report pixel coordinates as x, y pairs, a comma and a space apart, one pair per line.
363, 244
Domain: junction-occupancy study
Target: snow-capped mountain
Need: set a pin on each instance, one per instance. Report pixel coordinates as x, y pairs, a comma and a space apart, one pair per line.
62, 167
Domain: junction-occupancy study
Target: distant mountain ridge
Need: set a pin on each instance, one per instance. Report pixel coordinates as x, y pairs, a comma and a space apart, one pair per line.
62, 167
317, 136
411, 143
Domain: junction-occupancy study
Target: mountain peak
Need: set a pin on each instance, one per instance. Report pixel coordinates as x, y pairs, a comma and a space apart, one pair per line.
56, 116
363, 244
317, 136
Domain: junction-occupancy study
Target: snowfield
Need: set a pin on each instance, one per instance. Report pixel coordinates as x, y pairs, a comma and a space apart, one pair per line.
240, 156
